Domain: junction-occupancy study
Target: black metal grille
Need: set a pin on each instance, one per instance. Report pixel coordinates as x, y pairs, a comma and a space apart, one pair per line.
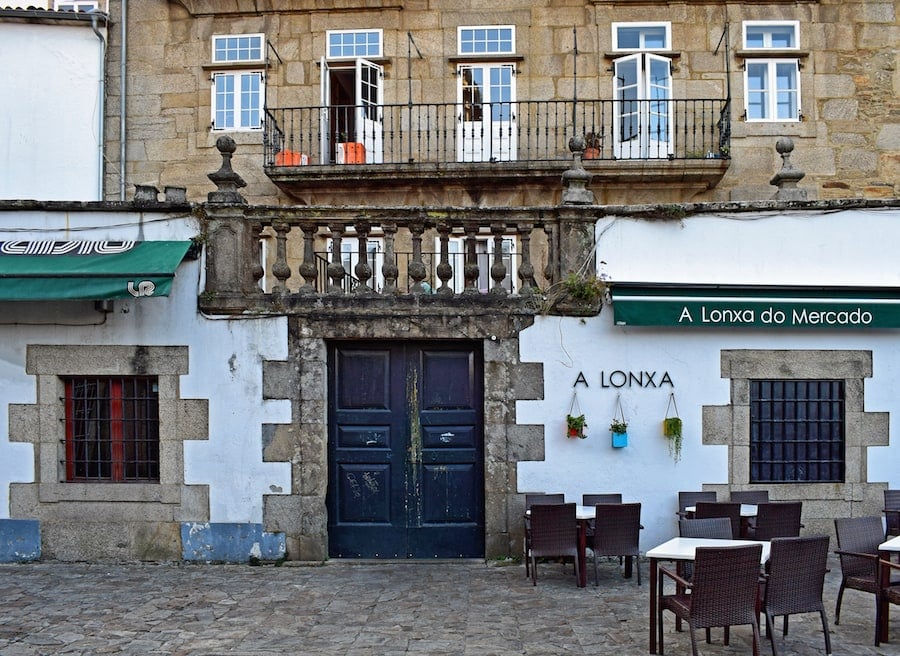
112, 429
796, 431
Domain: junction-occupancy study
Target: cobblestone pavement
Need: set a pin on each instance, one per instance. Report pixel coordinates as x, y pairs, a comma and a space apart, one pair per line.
463, 608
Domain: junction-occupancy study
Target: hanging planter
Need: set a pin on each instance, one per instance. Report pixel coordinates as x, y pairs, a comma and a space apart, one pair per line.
618, 427
575, 423
672, 429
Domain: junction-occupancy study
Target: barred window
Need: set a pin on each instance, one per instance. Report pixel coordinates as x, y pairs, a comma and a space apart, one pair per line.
112, 429
797, 431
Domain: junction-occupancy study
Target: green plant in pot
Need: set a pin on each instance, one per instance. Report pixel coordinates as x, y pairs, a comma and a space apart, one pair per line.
618, 426
575, 425
672, 431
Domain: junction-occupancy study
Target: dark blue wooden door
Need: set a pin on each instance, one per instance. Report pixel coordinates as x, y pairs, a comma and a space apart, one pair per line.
406, 472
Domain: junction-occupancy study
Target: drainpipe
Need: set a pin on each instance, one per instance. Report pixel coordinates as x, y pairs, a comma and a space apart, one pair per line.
96, 15
122, 98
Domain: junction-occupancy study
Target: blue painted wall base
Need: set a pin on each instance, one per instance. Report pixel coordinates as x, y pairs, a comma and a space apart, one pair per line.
20, 540
230, 543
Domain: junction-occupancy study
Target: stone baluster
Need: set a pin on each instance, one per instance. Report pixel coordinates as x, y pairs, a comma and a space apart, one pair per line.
363, 270
444, 268
336, 271
280, 268
498, 269
257, 271
308, 268
389, 269
470, 270
417, 271
526, 267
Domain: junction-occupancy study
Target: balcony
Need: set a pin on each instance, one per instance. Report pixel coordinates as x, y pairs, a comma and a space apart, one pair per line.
494, 155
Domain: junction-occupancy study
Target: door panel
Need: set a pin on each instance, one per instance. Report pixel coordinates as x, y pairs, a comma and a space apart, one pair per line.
643, 92
406, 474
487, 96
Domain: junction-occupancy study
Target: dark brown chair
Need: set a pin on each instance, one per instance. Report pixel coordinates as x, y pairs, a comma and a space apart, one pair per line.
594, 499
750, 496
890, 594
891, 513
617, 533
858, 539
721, 509
533, 498
554, 533
723, 592
717, 528
686, 499
776, 520
794, 581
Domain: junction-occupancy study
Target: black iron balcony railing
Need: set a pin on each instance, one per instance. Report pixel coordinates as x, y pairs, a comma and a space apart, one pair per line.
441, 133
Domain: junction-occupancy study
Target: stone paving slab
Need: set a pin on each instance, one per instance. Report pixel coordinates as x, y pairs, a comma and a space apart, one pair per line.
443, 609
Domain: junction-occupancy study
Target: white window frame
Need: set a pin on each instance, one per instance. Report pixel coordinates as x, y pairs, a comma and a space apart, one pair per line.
795, 25
357, 51
642, 25
476, 50
76, 5
239, 59
239, 101
772, 92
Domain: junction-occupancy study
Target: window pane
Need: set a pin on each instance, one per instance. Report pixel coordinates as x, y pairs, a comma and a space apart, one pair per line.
238, 48
365, 43
757, 102
786, 83
491, 40
790, 440
641, 37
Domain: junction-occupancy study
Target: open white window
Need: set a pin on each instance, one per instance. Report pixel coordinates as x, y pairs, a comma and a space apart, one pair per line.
352, 93
642, 90
238, 92
486, 96
772, 83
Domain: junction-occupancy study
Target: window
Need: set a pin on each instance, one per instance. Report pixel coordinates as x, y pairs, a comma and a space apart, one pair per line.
641, 36
112, 429
76, 5
237, 96
497, 40
796, 431
354, 43
772, 85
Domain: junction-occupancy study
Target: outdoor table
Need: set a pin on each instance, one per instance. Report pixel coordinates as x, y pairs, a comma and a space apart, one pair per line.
685, 549
885, 551
747, 510
583, 515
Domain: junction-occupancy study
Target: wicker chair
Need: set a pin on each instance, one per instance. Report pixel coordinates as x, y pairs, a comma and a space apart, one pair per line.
618, 533
686, 499
891, 513
717, 528
858, 539
594, 499
536, 498
889, 595
776, 520
724, 592
554, 533
721, 509
794, 581
750, 496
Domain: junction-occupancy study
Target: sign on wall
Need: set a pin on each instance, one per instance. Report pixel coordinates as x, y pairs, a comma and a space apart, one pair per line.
756, 307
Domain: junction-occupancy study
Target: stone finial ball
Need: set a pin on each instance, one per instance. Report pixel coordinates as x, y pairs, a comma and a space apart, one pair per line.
784, 145
226, 144
577, 143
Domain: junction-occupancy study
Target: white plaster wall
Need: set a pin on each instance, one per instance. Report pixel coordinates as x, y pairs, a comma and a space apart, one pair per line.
50, 111
841, 248
225, 364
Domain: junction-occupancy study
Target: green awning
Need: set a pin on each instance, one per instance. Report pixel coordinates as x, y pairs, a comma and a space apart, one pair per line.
737, 306
87, 270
